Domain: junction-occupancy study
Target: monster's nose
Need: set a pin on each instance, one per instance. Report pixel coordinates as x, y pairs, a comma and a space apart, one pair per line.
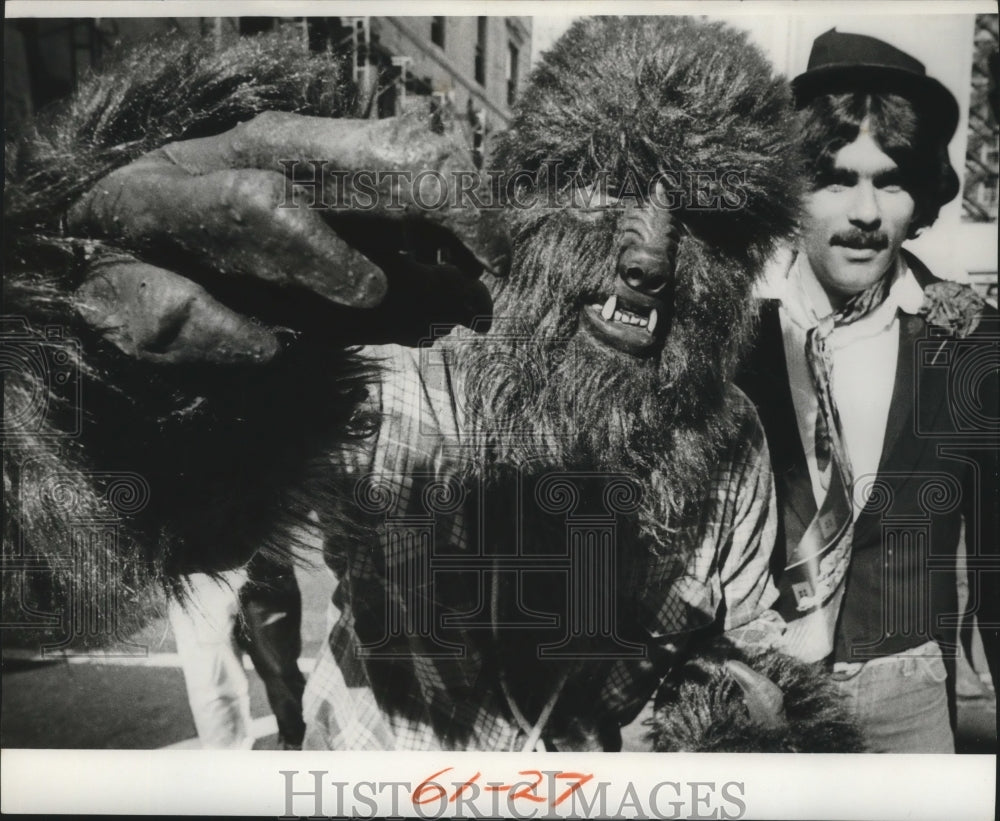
648, 251
643, 271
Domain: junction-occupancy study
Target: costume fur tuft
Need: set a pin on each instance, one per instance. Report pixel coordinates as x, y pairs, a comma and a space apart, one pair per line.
700, 708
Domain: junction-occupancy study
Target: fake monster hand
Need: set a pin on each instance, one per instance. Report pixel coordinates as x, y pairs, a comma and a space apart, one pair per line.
231, 234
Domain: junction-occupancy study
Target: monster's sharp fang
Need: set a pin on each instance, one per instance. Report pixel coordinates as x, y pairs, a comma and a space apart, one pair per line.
608, 310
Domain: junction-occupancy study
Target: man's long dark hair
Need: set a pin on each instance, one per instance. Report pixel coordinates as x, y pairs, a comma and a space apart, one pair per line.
829, 122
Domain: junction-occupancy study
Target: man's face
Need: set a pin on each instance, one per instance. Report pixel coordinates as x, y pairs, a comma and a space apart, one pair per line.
856, 220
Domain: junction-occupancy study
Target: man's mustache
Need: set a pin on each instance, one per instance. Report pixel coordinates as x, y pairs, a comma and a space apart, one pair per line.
858, 239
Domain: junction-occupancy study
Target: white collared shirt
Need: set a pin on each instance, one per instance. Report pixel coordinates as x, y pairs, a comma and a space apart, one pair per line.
864, 356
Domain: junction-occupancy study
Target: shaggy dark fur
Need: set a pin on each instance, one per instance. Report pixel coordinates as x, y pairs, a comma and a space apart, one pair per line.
222, 461
699, 708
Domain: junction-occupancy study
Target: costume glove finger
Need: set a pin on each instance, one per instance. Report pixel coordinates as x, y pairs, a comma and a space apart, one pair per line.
396, 168
158, 316
240, 222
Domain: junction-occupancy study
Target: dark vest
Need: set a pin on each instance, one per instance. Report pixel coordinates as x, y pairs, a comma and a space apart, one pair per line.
938, 466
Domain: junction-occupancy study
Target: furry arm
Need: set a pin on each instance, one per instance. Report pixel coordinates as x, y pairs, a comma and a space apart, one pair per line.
175, 333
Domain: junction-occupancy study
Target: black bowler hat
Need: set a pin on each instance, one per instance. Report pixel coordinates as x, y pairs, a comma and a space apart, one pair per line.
854, 62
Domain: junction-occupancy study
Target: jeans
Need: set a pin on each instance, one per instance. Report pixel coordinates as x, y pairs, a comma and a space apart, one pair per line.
900, 701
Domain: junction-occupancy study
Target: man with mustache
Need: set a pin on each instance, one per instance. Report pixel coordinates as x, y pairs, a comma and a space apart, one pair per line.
876, 384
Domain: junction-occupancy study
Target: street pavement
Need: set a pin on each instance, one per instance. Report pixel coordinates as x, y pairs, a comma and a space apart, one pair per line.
139, 702
134, 702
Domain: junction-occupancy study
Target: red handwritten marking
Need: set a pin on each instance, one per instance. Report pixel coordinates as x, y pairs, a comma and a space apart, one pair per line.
427, 785
526, 790
582, 778
458, 792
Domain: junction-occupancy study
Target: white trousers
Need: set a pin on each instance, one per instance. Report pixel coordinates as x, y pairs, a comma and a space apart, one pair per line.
217, 686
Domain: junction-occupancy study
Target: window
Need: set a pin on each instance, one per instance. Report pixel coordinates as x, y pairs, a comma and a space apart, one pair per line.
513, 52
481, 50
988, 193
437, 31
979, 197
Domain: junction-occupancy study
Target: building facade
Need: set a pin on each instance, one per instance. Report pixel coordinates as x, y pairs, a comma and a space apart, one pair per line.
473, 66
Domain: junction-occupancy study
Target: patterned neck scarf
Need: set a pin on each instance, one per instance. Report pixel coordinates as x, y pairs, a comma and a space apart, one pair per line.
812, 585
828, 434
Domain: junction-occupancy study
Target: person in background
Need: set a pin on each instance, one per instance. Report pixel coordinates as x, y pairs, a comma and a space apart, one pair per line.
876, 383
256, 609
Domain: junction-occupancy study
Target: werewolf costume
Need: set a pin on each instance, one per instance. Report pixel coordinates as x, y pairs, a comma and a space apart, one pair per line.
536, 527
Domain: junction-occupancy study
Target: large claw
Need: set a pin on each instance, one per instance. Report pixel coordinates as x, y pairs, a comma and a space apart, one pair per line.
763, 698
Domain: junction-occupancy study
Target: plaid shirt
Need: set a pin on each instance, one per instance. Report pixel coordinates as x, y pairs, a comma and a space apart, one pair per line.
413, 660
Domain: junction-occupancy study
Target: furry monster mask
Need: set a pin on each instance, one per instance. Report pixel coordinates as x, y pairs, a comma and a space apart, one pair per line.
652, 157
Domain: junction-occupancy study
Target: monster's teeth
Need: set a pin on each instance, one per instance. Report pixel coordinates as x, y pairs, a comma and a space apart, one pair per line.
608, 310
618, 316
652, 320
